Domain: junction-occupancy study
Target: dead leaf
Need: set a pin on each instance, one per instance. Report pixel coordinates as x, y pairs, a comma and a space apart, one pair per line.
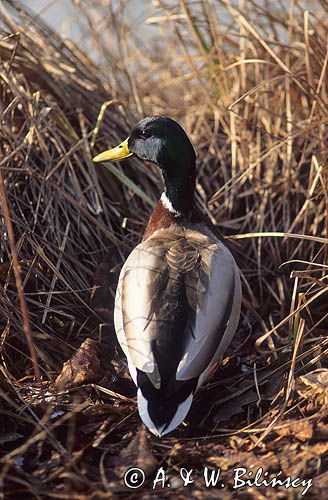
300, 429
314, 385
235, 405
82, 368
136, 454
322, 482
321, 432
228, 459
320, 448
240, 443
305, 459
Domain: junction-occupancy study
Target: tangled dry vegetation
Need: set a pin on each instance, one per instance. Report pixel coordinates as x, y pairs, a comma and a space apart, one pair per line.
249, 82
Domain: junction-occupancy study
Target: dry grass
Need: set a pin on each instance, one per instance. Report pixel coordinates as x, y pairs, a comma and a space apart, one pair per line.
249, 82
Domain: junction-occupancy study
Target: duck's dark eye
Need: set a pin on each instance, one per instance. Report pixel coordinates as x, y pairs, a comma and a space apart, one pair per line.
144, 134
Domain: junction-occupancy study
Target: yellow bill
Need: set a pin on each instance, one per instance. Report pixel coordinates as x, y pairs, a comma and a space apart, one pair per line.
118, 153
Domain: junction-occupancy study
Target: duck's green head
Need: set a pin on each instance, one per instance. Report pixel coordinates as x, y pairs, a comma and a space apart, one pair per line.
162, 141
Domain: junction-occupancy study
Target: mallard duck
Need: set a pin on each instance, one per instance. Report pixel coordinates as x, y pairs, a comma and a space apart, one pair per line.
178, 298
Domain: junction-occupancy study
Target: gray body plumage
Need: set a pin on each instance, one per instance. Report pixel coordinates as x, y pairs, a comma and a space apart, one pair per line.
177, 308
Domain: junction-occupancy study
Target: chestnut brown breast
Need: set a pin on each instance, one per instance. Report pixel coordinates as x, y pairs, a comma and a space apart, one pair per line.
162, 218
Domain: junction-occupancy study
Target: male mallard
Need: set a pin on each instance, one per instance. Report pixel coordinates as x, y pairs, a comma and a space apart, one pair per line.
178, 298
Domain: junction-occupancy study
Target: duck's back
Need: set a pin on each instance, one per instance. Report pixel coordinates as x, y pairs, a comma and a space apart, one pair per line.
176, 310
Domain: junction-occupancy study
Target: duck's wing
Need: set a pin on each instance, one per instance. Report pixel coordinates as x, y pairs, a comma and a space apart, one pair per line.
177, 308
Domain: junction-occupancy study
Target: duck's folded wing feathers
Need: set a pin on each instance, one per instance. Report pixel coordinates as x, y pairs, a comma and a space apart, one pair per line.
177, 299
217, 313
140, 280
